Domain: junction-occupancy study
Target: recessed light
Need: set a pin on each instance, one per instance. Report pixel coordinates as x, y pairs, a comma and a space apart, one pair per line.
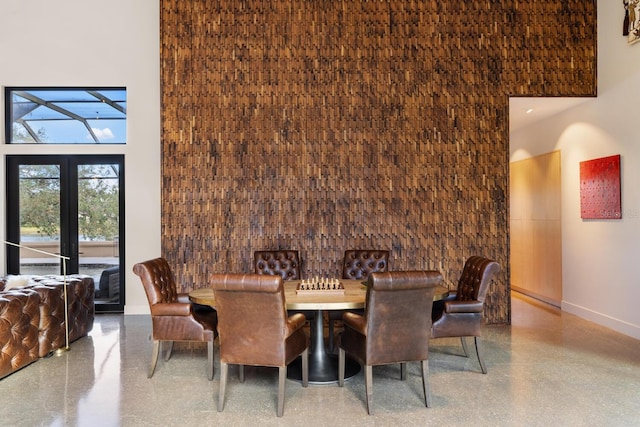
529, 111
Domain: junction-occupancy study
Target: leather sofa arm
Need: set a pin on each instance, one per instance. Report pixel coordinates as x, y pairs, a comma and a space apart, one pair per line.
171, 309
463, 306
355, 322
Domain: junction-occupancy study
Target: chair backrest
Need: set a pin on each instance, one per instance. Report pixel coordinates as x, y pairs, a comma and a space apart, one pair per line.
158, 280
358, 264
284, 263
398, 315
475, 278
252, 318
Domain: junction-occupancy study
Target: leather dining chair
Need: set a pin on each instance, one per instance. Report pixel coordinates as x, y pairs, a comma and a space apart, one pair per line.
357, 264
394, 329
460, 314
284, 263
173, 317
256, 330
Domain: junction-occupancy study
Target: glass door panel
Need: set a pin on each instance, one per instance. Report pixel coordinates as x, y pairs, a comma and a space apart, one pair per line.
99, 228
39, 195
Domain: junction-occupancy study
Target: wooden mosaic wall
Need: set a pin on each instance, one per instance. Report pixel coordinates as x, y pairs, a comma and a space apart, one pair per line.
324, 125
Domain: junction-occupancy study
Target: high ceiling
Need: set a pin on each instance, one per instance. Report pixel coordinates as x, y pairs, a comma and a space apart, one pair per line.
527, 111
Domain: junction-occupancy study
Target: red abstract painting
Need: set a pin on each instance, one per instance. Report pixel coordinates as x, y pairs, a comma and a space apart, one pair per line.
600, 188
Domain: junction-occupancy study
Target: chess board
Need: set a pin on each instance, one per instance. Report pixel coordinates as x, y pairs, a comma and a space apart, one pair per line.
320, 287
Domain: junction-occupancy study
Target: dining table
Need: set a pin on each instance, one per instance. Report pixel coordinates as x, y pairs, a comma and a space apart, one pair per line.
323, 366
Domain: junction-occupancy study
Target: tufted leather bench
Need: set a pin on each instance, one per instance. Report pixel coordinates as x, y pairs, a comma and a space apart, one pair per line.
19, 329
81, 291
51, 334
41, 303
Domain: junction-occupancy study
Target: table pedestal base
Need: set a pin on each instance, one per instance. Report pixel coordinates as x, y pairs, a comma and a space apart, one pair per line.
325, 372
323, 367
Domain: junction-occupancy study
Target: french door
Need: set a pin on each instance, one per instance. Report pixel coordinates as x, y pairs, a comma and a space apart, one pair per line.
70, 206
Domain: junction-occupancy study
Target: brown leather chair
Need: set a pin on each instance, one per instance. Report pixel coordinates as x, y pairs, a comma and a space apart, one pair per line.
460, 314
173, 316
357, 264
284, 263
395, 326
255, 329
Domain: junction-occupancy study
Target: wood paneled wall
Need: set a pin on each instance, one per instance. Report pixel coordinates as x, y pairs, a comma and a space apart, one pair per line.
323, 125
536, 227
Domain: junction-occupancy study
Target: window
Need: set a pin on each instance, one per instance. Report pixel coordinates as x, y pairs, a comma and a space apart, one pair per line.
37, 115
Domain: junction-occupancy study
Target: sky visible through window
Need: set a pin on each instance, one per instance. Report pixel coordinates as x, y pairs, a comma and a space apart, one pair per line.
66, 115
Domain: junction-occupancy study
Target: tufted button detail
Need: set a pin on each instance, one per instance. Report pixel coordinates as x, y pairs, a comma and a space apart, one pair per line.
279, 262
358, 264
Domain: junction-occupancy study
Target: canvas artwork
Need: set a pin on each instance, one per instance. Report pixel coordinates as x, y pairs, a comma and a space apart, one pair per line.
600, 188
633, 9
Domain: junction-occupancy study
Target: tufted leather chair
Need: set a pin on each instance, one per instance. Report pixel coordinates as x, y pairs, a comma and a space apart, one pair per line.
256, 330
284, 263
172, 319
395, 326
357, 264
20, 319
460, 314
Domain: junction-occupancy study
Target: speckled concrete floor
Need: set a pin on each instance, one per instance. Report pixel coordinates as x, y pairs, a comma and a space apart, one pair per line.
547, 368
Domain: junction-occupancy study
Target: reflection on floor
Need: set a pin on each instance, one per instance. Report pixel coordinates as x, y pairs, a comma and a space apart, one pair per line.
548, 368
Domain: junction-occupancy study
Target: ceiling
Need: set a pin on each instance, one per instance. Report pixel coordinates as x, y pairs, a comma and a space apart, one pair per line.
526, 111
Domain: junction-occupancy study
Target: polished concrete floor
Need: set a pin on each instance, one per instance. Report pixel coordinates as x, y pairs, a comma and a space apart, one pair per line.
547, 368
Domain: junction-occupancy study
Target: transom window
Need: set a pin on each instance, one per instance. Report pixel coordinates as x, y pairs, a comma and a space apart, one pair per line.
37, 115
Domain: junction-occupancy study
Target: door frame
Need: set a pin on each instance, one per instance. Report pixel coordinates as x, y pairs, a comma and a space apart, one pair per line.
68, 197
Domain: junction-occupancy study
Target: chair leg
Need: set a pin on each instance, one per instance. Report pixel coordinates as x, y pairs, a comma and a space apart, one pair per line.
282, 377
425, 383
210, 367
482, 366
464, 346
224, 369
241, 373
368, 387
403, 371
305, 368
167, 355
341, 357
154, 357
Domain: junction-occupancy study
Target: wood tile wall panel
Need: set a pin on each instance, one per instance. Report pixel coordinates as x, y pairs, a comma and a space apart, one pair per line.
329, 125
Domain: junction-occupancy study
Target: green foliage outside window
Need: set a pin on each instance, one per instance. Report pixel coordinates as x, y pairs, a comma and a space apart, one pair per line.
97, 201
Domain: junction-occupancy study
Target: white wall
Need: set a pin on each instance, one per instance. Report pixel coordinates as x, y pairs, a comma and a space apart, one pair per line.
95, 43
601, 279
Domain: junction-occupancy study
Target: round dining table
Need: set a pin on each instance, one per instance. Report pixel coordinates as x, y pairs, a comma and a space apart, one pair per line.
323, 366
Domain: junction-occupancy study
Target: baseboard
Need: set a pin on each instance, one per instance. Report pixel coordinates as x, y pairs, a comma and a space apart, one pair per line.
534, 295
617, 325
